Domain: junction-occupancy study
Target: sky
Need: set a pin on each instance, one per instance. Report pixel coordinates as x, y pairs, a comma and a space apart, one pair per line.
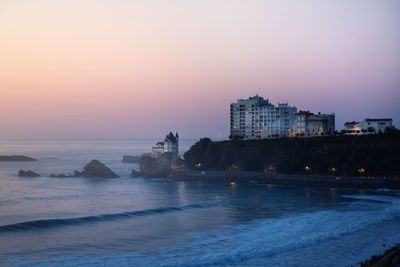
138, 69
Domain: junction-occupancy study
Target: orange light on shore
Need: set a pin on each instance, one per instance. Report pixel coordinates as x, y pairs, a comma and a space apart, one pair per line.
307, 168
361, 171
332, 170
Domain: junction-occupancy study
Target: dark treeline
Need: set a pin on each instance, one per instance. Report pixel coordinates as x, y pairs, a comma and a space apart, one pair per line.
366, 155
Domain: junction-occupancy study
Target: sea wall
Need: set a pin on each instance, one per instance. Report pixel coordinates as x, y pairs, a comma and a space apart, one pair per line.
285, 179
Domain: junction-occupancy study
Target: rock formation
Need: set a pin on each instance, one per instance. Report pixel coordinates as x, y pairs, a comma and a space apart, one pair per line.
16, 158
75, 174
135, 174
28, 173
390, 258
97, 169
160, 166
131, 159
94, 169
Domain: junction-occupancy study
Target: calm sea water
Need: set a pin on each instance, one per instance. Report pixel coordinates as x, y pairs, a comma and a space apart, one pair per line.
159, 222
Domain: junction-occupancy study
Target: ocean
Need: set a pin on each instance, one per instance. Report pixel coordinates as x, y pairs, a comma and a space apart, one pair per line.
161, 222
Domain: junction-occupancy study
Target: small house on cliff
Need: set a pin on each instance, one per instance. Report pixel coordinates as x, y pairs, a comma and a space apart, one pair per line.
170, 144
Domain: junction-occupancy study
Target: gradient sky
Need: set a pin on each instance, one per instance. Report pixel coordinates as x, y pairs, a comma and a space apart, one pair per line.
131, 69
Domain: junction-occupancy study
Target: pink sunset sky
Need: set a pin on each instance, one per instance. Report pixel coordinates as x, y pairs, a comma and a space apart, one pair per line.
137, 69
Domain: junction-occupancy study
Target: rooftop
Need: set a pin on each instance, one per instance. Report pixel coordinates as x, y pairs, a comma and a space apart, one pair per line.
383, 119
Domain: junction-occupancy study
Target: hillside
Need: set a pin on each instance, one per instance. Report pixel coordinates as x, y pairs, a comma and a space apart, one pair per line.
368, 155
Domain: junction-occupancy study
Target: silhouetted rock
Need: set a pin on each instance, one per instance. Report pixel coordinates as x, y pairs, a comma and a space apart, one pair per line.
94, 169
156, 166
390, 258
179, 164
131, 159
97, 169
135, 174
64, 175
16, 158
28, 173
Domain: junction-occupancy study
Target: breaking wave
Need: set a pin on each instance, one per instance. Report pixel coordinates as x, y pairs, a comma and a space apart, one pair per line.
52, 223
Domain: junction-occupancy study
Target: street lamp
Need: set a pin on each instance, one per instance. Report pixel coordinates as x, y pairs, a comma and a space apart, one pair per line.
307, 168
361, 171
332, 170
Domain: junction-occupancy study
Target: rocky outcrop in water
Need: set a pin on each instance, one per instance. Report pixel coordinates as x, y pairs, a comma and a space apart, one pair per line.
75, 174
131, 159
135, 174
28, 173
160, 166
96, 169
16, 158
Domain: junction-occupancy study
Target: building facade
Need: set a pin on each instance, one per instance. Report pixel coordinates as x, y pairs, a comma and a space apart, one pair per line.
368, 126
170, 144
257, 118
376, 125
310, 124
353, 128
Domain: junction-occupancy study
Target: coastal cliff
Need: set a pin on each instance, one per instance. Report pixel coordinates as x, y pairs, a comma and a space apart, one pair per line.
368, 155
155, 166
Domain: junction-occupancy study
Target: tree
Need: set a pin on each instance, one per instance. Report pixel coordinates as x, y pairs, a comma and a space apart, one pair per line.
371, 130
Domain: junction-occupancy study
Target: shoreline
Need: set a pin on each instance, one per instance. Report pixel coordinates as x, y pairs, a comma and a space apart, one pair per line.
390, 257
287, 179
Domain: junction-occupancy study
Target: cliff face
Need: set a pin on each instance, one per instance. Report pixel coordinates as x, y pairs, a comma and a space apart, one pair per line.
156, 167
375, 155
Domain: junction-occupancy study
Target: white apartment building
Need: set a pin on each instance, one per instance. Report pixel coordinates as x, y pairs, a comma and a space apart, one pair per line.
377, 125
257, 118
368, 126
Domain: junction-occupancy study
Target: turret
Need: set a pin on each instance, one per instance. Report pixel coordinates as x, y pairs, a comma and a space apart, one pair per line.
177, 144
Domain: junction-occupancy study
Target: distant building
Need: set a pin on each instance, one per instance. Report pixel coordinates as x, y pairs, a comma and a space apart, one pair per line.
376, 125
310, 124
170, 144
256, 118
353, 128
368, 126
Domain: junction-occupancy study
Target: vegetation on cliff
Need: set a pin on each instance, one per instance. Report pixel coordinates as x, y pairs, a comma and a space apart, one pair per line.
367, 155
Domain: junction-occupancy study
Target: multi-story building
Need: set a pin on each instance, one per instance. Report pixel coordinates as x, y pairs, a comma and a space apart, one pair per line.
257, 118
310, 124
376, 125
368, 126
353, 128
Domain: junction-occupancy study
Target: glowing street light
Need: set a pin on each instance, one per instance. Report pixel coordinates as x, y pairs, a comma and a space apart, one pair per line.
361, 171
332, 170
307, 168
